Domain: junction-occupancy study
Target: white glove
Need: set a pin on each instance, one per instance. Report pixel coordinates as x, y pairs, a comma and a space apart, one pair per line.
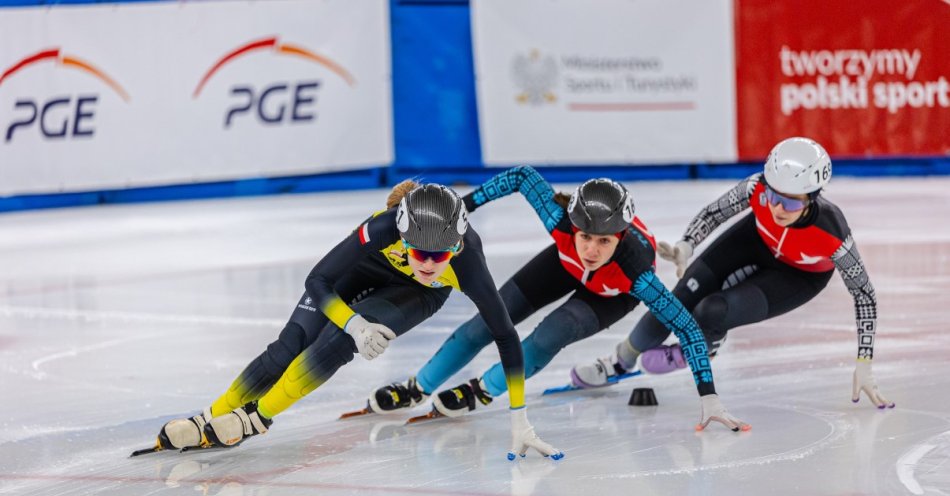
678, 254
371, 339
713, 410
523, 437
864, 381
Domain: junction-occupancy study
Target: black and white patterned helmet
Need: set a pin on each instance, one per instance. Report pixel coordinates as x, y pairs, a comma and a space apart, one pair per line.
432, 217
601, 206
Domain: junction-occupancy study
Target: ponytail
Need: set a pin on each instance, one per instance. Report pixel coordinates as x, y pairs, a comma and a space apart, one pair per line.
399, 191
562, 199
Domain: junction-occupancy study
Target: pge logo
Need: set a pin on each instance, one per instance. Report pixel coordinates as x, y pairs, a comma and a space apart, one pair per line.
279, 102
59, 117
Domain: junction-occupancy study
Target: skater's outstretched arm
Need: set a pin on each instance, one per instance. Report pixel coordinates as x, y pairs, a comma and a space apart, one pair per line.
726, 206
476, 282
525, 180
849, 264
706, 221
671, 313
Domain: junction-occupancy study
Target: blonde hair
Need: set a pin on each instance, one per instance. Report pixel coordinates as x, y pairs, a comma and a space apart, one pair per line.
399, 191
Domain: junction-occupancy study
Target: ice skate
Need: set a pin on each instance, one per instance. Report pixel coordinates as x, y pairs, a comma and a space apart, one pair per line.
397, 397
662, 359
603, 372
180, 434
456, 402
233, 428
461, 399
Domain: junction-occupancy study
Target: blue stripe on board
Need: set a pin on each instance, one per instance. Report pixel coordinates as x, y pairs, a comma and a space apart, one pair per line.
337, 181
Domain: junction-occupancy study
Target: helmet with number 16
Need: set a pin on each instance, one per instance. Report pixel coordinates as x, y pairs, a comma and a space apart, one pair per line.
798, 166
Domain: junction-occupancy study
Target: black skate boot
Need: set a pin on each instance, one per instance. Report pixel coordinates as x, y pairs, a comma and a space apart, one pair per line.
185, 433
233, 428
397, 397
462, 399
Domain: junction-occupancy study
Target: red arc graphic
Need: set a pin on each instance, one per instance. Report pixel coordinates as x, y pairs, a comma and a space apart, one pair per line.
281, 48
56, 55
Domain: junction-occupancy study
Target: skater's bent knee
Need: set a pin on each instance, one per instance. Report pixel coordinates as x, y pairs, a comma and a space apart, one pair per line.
711, 312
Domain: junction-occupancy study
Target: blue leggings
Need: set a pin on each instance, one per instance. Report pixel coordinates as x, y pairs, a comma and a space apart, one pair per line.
539, 283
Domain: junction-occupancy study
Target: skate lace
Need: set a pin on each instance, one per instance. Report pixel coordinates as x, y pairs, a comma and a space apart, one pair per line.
413, 391
671, 353
607, 366
397, 391
669, 356
480, 393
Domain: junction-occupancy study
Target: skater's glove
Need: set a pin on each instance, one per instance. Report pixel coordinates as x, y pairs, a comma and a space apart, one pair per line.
678, 254
371, 339
714, 411
523, 437
864, 381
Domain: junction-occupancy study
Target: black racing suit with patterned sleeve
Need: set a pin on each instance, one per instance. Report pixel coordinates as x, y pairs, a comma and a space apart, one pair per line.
367, 273
598, 298
757, 269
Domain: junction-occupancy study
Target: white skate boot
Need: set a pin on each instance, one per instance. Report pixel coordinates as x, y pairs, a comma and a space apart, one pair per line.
185, 433
233, 428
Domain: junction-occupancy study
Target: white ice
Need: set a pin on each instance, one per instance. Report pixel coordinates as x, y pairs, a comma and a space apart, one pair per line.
114, 319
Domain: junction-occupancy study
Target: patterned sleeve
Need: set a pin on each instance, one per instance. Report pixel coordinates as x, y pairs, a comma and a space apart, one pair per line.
734, 201
849, 264
671, 313
525, 180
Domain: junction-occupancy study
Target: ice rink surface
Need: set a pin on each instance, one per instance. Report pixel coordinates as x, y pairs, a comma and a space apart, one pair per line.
115, 319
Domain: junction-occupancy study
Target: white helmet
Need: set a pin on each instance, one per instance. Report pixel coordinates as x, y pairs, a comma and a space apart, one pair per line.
798, 166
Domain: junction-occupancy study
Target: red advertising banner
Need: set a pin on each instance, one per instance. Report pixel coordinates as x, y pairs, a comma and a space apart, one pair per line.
867, 78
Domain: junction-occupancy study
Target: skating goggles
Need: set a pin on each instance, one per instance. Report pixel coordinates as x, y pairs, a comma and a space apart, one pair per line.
436, 256
789, 204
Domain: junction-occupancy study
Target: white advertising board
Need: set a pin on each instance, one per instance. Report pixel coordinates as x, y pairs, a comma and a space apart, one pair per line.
99, 97
605, 82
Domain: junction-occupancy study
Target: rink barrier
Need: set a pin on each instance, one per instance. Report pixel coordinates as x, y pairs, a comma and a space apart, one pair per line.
337, 181
436, 133
388, 176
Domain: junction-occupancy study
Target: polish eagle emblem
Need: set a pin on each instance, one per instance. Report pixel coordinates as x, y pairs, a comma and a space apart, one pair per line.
535, 76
